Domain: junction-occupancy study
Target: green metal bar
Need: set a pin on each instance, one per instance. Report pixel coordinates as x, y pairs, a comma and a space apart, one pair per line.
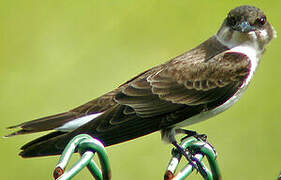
194, 143
69, 150
99, 148
78, 166
187, 170
207, 149
94, 170
197, 147
87, 147
201, 149
176, 156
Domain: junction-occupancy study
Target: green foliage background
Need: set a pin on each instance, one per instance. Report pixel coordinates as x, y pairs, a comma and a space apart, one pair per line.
58, 54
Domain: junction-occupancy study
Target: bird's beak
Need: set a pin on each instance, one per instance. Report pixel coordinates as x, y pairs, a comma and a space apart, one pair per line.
244, 27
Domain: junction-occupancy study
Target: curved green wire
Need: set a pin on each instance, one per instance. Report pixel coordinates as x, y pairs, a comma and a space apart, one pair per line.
87, 147
201, 149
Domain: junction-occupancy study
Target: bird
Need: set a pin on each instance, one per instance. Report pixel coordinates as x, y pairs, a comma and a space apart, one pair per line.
187, 89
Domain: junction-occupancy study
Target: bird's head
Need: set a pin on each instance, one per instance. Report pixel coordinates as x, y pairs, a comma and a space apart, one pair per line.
246, 25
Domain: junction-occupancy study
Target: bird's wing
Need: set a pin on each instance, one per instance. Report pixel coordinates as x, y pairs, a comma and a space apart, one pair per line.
185, 82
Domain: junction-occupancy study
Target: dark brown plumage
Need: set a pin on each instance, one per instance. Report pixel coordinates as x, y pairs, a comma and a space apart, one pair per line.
172, 92
197, 81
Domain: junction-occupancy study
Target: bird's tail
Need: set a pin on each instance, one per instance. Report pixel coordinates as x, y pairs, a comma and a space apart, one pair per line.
50, 144
43, 124
45, 145
53, 143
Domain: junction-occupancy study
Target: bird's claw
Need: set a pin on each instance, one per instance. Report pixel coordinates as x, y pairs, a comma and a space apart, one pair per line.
202, 137
189, 157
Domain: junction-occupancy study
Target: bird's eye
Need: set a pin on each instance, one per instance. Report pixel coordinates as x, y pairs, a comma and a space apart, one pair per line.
231, 21
260, 21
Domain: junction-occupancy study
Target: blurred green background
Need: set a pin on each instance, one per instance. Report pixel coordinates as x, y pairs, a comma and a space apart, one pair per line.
55, 55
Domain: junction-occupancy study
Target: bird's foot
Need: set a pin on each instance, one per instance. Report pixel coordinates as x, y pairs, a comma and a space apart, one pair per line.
190, 133
187, 154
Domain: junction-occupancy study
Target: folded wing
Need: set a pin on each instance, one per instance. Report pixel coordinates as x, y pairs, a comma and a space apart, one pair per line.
155, 99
